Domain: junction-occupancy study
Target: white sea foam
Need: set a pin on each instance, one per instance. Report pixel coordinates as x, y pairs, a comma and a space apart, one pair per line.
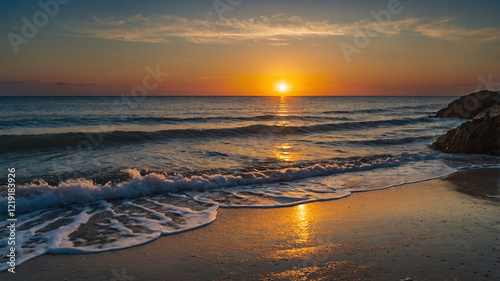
105, 226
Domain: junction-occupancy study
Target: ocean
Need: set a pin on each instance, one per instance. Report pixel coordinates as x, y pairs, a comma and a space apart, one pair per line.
104, 173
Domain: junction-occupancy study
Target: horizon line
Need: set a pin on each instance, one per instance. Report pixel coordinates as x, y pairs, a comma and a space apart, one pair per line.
154, 96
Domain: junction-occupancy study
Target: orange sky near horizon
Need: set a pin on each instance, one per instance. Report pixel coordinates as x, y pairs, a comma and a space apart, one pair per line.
254, 47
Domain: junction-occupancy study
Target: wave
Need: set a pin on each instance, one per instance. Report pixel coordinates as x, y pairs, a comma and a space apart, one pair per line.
62, 140
40, 195
380, 110
422, 106
355, 111
394, 141
381, 141
128, 120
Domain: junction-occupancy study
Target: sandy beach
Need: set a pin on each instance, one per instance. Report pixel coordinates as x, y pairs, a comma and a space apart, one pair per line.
427, 231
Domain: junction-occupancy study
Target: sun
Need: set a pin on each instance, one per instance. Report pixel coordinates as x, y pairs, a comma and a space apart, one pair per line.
282, 87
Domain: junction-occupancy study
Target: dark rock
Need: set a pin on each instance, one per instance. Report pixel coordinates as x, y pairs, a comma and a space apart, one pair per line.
467, 107
479, 136
489, 112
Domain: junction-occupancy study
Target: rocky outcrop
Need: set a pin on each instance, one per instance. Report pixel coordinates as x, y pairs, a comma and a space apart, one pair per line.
489, 112
467, 107
479, 136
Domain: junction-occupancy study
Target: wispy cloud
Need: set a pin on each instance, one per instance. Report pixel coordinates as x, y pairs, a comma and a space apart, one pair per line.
38, 82
445, 29
163, 29
277, 29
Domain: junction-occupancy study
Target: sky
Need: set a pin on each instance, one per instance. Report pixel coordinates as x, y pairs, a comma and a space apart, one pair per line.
248, 47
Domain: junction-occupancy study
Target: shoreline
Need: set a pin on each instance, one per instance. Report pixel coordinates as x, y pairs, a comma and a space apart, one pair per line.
427, 230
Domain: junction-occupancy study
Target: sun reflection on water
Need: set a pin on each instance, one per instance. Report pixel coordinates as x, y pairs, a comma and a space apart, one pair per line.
283, 107
283, 152
283, 112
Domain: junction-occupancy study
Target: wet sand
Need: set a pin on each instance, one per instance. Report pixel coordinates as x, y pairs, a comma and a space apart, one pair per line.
430, 230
